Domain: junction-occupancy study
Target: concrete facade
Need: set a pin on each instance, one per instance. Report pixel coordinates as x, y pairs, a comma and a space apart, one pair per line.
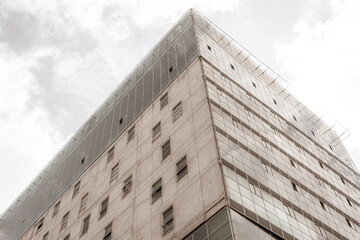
259, 165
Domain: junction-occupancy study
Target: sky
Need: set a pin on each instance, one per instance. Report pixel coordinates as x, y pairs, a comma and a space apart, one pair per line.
59, 60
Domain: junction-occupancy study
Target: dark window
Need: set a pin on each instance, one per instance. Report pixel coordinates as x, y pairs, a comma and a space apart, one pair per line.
321, 165
232, 67
67, 237
313, 133
156, 131
131, 133
168, 220
114, 172
323, 206
348, 222
64, 221
104, 207
294, 118
76, 189
343, 180
85, 226
181, 168
349, 202
156, 190
108, 229
83, 202
56, 209
110, 154
39, 225
177, 111
171, 69
82, 161
209, 47
127, 186
164, 101
275, 101
45, 237
120, 121
165, 149
292, 163
294, 186
254, 84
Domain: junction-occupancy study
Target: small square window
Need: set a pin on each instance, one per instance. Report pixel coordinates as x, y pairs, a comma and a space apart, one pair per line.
56, 209
156, 131
83, 203
209, 47
127, 186
232, 67
120, 121
323, 206
67, 237
85, 225
156, 190
131, 133
82, 161
294, 187
110, 154
64, 221
104, 207
321, 165
39, 225
45, 237
181, 168
177, 111
168, 220
171, 69
114, 172
164, 101
165, 149
108, 230
76, 189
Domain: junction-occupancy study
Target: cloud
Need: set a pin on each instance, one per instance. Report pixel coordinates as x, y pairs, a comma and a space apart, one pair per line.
323, 62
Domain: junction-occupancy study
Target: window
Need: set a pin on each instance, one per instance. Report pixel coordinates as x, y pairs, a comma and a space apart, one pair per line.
313, 133
209, 47
114, 172
343, 181
85, 225
156, 131
348, 222
289, 211
323, 206
264, 167
165, 149
319, 181
320, 230
156, 190
235, 123
349, 202
181, 168
168, 220
266, 144
110, 154
177, 111
330, 147
103, 208
254, 189
232, 67
336, 192
64, 221
39, 225
45, 237
56, 209
219, 91
293, 163
254, 84
67, 237
294, 118
127, 186
131, 133
171, 69
120, 121
76, 189
164, 101
83, 203
82, 161
294, 187
108, 229
250, 97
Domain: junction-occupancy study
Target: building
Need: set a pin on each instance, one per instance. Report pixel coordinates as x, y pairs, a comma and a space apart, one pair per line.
201, 141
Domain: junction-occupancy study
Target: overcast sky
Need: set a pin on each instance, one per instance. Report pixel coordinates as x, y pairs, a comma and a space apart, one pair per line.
60, 59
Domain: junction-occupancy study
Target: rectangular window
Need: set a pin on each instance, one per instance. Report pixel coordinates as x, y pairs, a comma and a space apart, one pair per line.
165, 149
131, 133
76, 189
156, 190
64, 221
39, 225
209, 47
45, 237
168, 220
56, 209
320, 230
348, 222
177, 111
114, 172
349, 202
289, 211
83, 203
294, 187
156, 131
108, 230
232, 67
85, 225
264, 167
323, 206
254, 189
127, 186
104, 207
321, 165
110, 154
181, 168
164, 101
235, 123
67, 237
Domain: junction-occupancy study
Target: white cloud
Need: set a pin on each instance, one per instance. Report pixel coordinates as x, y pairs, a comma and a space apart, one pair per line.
323, 59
